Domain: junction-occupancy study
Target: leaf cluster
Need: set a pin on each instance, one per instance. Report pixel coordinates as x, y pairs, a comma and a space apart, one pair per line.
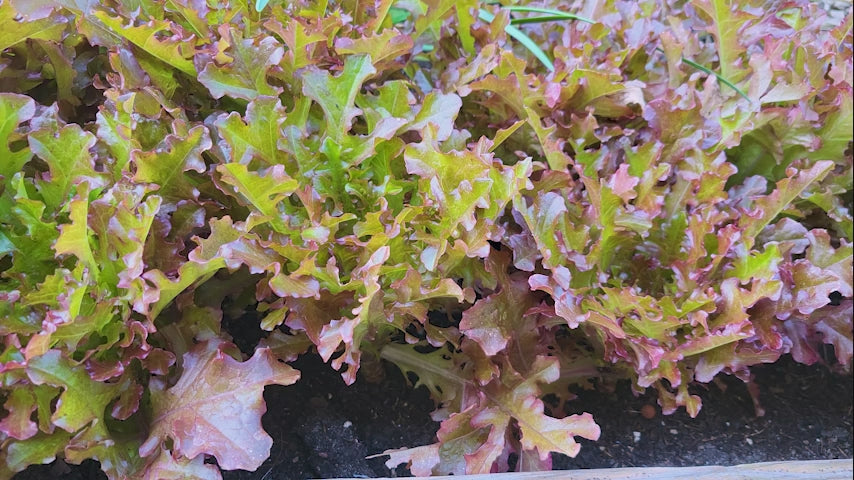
503, 200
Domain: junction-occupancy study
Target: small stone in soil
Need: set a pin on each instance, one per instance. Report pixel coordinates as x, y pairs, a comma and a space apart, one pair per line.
636, 436
749, 441
673, 431
648, 411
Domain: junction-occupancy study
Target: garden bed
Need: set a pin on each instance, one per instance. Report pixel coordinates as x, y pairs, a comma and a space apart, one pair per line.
534, 209
324, 429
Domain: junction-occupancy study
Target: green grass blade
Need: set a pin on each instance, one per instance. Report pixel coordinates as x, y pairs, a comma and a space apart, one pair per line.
559, 15
709, 71
541, 19
520, 36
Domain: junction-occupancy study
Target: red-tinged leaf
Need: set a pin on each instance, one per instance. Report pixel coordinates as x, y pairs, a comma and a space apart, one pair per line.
203, 262
295, 286
493, 321
300, 40
17, 424
167, 467
470, 443
802, 345
834, 324
546, 434
128, 402
246, 75
437, 109
166, 165
368, 312
788, 189
836, 261
551, 145
458, 182
310, 316
216, 407
732, 358
420, 460
806, 288
286, 347
382, 48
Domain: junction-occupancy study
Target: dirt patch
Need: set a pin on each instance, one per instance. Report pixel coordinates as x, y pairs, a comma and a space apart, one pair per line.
322, 428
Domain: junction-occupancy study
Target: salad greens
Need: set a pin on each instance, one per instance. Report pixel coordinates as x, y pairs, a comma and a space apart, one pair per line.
406, 180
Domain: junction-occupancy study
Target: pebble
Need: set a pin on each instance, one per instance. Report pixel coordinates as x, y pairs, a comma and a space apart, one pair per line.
673, 431
749, 441
636, 436
648, 411
348, 424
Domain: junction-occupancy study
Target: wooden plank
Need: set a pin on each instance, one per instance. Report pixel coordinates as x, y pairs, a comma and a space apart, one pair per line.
793, 470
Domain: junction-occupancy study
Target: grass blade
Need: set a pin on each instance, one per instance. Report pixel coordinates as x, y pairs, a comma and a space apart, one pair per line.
520, 36
709, 71
557, 14
541, 19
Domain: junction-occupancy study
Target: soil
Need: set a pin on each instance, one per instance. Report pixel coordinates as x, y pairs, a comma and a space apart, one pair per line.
323, 428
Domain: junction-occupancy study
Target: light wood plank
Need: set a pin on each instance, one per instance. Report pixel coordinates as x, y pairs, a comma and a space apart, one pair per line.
792, 470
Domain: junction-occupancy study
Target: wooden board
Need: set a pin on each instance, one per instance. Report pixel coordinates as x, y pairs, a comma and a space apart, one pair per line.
794, 470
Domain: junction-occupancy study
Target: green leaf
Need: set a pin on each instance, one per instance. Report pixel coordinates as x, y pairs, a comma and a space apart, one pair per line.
459, 182
727, 20
74, 237
14, 110
68, 158
17, 31
41, 449
116, 130
166, 165
398, 15
246, 76
263, 192
256, 137
759, 265
835, 132
174, 51
337, 95
83, 399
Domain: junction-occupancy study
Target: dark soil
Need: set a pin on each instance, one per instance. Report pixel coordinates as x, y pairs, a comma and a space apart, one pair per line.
323, 428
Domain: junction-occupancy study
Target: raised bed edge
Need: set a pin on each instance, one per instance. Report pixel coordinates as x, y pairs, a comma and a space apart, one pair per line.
842, 469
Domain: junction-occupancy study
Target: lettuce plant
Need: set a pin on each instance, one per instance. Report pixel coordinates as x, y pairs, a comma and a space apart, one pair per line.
671, 200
